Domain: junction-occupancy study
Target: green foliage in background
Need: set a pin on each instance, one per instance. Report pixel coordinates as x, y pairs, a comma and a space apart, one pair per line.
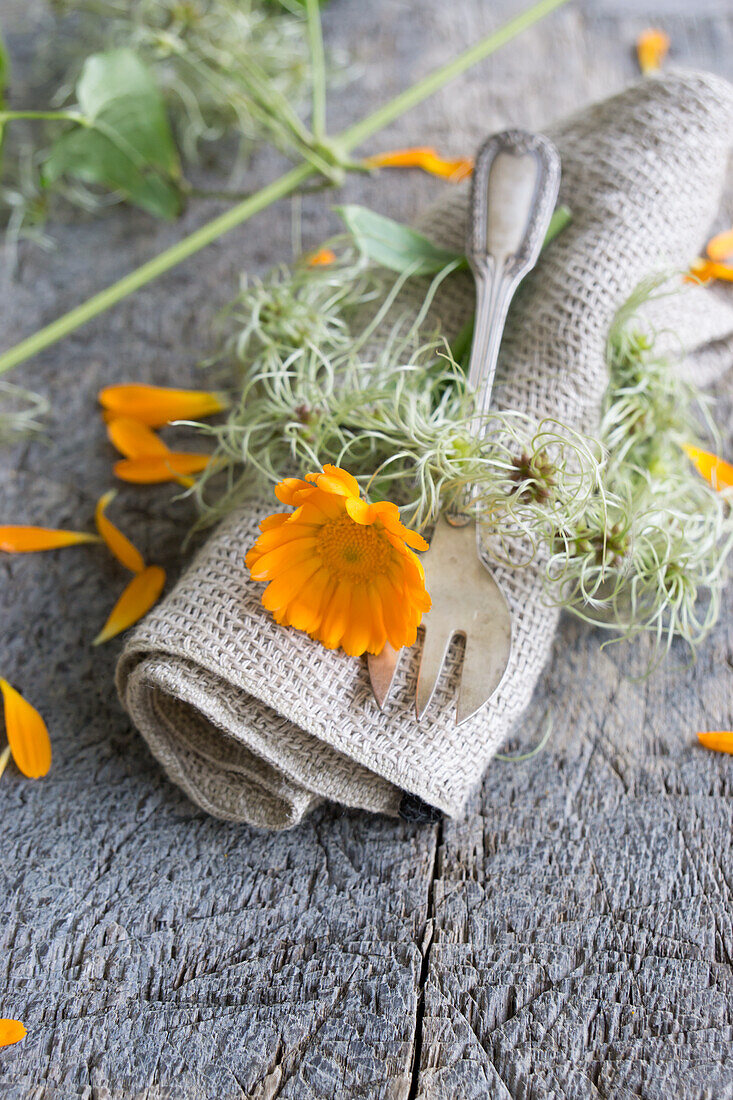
141, 85
123, 140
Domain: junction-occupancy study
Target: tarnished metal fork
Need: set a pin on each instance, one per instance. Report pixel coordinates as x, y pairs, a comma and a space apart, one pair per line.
514, 191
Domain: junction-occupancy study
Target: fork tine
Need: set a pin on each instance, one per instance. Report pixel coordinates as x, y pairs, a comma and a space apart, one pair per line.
382, 668
486, 656
434, 650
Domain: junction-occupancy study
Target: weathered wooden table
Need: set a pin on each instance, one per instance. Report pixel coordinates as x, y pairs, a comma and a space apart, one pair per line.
571, 938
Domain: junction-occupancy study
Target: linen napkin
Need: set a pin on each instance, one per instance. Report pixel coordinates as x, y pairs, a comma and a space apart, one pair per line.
257, 722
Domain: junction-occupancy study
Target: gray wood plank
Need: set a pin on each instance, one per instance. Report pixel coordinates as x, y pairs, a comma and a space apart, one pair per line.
572, 938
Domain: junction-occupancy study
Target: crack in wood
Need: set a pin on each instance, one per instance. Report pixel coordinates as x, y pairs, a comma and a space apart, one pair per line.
428, 938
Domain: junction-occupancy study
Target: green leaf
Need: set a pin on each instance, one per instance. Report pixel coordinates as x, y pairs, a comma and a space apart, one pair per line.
561, 216
124, 142
393, 245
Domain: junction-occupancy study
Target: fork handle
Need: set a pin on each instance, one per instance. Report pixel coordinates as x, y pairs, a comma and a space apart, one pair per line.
515, 184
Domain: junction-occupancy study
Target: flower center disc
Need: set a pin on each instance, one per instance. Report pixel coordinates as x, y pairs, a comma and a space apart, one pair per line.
351, 550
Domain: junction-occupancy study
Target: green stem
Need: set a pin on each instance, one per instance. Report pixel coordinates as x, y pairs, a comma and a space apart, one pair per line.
51, 116
269, 194
318, 69
157, 266
430, 84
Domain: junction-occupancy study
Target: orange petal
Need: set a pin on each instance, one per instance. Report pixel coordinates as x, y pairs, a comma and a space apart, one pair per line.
426, 158
720, 271
720, 247
119, 545
158, 405
718, 740
359, 510
155, 469
133, 439
26, 540
27, 735
286, 489
322, 258
652, 46
335, 480
699, 271
11, 1031
712, 468
139, 596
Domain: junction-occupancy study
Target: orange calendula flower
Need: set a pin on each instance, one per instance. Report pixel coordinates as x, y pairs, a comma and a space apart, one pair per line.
11, 1031
27, 734
717, 740
137, 599
712, 468
158, 405
426, 158
28, 540
652, 46
118, 544
340, 569
720, 247
322, 258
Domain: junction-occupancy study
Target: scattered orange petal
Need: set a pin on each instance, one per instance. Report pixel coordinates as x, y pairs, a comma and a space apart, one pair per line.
652, 46
717, 740
426, 158
27, 540
322, 258
720, 247
11, 1031
155, 469
133, 439
720, 271
118, 544
158, 405
699, 272
27, 734
139, 596
703, 270
715, 470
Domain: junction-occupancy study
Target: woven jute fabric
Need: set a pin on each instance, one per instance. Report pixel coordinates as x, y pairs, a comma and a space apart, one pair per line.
259, 723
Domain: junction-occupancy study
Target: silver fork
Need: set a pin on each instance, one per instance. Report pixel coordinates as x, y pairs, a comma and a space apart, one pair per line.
514, 191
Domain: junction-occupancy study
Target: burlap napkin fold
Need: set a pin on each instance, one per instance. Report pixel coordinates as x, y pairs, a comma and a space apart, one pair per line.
258, 723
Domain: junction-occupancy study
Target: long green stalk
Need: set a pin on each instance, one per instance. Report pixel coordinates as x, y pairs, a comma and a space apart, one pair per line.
269, 194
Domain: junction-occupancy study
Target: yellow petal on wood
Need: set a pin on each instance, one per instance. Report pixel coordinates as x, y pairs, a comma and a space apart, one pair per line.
139, 596
158, 405
27, 734
720, 247
133, 439
27, 540
424, 157
652, 46
717, 740
11, 1031
4, 757
155, 469
118, 544
715, 470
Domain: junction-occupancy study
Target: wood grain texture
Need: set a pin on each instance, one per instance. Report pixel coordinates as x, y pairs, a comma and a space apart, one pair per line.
570, 938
